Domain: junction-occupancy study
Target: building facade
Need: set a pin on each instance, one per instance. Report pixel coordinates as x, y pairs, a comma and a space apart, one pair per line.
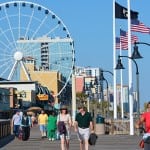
50, 62
25, 93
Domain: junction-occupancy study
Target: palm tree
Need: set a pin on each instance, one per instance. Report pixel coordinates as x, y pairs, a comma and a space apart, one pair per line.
81, 97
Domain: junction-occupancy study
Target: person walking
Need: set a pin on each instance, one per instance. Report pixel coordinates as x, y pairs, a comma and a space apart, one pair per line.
145, 119
16, 122
42, 121
64, 117
33, 120
144, 123
51, 126
83, 125
25, 126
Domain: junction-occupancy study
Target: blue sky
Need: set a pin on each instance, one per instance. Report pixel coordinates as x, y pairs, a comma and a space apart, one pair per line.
90, 25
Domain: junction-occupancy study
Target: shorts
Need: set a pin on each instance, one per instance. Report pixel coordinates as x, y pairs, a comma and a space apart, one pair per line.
83, 134
42, 127
66, 136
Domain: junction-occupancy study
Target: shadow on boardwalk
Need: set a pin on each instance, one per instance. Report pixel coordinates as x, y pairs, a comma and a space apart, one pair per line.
104, 142
6, 140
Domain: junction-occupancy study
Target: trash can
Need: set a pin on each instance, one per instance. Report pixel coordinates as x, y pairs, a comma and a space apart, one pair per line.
100, 119
100, 126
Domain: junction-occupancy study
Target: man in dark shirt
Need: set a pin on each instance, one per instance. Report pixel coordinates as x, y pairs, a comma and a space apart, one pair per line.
83, 125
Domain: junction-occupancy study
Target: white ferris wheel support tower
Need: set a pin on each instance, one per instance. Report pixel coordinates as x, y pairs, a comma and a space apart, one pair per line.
18, 56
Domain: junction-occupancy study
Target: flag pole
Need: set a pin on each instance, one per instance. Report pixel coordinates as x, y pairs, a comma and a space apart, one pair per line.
121, 84
130, 72
114, 62
121, 89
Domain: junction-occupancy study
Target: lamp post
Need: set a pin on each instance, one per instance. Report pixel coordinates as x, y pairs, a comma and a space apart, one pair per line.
108, 72
104, 79
120, 66
96, 84
107, 86
101, 79
135, 43
88, 92
107, 94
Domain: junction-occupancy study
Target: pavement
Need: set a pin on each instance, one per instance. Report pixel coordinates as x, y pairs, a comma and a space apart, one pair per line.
104, 142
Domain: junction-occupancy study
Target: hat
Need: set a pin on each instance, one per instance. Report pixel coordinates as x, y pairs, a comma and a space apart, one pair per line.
63, 107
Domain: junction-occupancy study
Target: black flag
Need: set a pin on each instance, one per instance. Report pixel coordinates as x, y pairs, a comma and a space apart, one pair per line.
122, 12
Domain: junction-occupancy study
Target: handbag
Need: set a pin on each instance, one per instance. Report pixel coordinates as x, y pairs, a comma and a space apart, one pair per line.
61, 127
92, 139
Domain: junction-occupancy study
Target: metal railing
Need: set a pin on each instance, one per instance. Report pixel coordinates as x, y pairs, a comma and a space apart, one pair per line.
5, 128
118, 126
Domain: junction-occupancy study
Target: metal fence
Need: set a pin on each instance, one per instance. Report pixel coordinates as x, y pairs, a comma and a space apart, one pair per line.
118, 126
5, 128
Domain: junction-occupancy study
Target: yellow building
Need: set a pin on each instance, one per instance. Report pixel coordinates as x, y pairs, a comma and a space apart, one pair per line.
46, 78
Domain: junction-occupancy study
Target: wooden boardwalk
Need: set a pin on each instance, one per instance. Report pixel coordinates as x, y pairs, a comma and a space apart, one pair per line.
104, 142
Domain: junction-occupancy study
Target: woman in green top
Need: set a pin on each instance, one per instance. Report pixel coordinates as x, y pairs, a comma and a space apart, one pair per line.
51, 126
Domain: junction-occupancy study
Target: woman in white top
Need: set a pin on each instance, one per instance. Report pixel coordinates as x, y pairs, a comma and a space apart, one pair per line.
66, 118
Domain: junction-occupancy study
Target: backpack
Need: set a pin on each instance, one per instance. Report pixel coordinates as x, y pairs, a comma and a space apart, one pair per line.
62, 127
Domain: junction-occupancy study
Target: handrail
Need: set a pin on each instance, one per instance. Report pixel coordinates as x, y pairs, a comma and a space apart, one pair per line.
5, 128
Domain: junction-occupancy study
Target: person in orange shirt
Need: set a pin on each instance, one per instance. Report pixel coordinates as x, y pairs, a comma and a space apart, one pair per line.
42, 122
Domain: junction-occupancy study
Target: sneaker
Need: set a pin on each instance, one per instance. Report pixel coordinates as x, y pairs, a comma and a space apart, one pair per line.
53, 139
49, 139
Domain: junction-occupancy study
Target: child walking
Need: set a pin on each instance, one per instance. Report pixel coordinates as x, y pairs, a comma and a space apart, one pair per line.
52, 126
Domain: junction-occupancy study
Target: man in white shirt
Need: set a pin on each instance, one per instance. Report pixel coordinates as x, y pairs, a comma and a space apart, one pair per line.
16, 122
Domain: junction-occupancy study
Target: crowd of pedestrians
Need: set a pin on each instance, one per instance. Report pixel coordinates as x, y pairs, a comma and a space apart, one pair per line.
54, 126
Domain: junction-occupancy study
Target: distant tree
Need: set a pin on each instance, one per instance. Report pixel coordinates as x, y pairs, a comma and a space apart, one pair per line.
81, 97
103, 107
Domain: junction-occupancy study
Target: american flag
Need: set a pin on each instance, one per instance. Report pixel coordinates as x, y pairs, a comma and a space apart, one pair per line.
124, 37
123, 45
137, 26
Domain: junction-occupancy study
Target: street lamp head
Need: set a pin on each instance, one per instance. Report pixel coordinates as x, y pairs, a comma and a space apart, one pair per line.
136, 54
119, 64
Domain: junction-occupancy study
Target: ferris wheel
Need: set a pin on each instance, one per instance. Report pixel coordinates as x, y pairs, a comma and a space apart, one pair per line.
33, 39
